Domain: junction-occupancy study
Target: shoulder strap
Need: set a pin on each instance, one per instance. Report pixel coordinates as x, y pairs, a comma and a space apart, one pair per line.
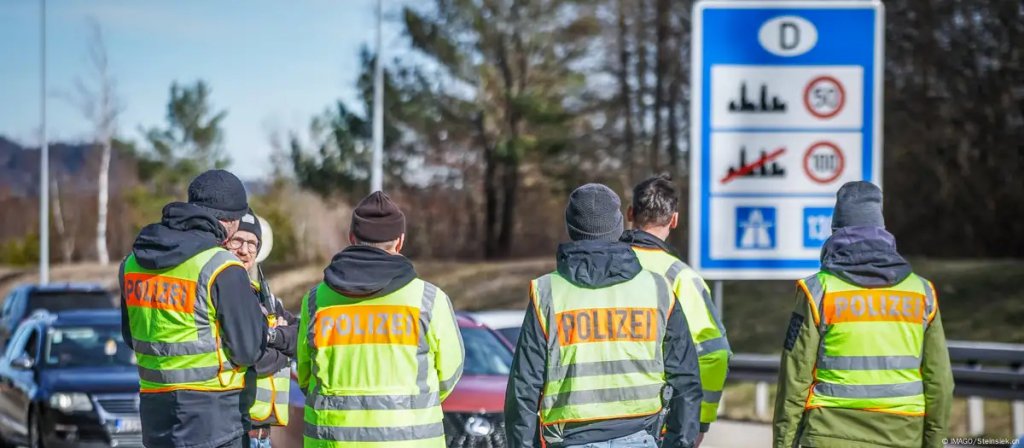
814, 291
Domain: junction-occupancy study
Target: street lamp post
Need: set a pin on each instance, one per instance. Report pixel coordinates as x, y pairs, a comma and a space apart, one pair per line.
377, 168
44, 159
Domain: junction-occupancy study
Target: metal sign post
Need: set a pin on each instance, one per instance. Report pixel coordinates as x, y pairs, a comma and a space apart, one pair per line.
787, 108
44, 158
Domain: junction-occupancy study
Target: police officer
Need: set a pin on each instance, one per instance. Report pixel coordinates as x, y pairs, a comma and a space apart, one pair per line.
379, 349
653, 215
273, 368
864, 361
601, 340
193, 320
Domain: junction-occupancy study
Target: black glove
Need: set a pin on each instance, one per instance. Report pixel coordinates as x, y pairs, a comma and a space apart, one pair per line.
285, 339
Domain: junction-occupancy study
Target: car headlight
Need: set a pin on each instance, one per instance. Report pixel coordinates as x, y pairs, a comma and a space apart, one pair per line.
478, 426
70, 402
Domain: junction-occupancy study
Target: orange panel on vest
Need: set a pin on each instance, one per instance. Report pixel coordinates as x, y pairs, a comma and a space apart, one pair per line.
156, 291
606, 325
873, 305
373, 324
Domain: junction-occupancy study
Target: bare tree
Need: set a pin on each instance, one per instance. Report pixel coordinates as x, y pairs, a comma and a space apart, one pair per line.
99, 103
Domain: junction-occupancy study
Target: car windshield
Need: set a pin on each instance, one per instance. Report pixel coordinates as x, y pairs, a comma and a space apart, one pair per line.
87, 346
511, 334
485, 353
61, 301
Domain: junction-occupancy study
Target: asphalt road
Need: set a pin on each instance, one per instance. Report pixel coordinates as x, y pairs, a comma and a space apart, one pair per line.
726, 434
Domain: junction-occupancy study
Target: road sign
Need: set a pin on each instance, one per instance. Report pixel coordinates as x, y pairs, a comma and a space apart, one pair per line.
786, 109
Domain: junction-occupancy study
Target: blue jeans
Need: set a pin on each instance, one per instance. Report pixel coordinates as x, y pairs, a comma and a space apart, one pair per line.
638, 440
259, 443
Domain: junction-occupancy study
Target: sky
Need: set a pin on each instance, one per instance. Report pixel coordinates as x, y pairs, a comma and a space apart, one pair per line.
272, 65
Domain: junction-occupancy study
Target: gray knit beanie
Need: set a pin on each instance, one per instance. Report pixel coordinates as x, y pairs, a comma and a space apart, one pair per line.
220, 193
594, 213
858, 204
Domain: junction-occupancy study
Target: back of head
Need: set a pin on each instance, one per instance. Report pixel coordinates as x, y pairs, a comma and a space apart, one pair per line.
594, 213
654, 202
377, 221
858, 204
219, 193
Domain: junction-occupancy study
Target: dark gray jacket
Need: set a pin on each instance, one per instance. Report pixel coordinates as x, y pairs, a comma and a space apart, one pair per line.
192, 419
593, 264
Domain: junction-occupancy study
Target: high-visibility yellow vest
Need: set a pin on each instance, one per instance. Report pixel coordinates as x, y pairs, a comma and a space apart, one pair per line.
173, 324
605, 358
872, 340
704, 321
373, 381
272, 391
271, 405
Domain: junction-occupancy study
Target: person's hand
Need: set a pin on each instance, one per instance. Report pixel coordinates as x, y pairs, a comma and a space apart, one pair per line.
700, 439
285, 339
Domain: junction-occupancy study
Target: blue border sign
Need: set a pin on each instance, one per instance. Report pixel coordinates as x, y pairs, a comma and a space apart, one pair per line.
787, 107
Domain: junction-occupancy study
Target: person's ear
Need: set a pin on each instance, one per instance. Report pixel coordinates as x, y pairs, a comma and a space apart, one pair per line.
674, 222
401, 243
352, 238
629, 214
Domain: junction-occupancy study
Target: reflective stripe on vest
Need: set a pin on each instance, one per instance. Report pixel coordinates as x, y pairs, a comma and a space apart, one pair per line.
364, 354
271, 405
869, 356
169, 313
605, 357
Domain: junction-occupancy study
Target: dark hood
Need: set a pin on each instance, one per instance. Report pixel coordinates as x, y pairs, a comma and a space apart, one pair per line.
864, 256
641, 238
184, 230
368, 272
597, 264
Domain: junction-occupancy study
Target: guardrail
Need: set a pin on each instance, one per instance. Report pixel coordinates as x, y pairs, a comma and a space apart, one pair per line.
980, 370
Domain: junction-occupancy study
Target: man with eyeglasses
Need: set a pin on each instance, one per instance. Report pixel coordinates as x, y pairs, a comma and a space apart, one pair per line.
273, 368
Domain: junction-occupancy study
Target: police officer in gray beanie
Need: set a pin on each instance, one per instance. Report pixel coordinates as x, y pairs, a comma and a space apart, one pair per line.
604, 354
865, 312
193, 320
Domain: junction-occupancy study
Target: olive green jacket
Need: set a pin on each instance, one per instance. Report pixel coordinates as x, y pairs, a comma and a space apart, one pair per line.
851, 428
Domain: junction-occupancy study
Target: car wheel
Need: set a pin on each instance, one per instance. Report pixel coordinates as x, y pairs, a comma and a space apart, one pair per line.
35, 436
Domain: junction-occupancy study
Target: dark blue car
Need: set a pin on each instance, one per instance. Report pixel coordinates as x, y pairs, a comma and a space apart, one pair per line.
67, 379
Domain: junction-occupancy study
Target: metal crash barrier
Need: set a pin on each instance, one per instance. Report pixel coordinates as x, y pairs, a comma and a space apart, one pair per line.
980, 369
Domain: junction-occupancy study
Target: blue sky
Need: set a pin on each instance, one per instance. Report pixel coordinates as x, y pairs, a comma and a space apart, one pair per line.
271, 64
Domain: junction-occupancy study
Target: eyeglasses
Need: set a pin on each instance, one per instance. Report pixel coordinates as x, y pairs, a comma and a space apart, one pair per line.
237, 243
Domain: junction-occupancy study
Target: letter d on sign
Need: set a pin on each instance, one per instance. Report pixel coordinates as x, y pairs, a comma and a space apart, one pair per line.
788, 36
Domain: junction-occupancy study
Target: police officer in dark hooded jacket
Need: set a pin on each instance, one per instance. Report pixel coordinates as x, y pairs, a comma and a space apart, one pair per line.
193, 320
604, 346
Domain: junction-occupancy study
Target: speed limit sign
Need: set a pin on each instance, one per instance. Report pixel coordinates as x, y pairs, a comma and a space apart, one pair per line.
824, 97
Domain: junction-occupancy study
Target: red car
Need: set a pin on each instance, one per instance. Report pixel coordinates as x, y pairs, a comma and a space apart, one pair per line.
473, 413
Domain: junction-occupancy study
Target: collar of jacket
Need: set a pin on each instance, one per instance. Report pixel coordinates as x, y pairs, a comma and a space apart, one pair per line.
640, 238
368, 272
597, 264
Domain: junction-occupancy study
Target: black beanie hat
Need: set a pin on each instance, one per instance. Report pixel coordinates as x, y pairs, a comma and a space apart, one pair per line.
220, 193
250, 224
858, 204
376, 219
594, 213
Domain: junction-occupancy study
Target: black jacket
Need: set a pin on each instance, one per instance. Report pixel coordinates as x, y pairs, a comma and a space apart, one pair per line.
596, 265
192, 419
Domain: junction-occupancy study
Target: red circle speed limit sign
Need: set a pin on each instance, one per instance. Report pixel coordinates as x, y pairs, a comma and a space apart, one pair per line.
824, 162
824, 97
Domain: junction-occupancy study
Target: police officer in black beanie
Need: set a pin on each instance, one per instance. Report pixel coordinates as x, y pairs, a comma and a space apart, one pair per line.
193, 320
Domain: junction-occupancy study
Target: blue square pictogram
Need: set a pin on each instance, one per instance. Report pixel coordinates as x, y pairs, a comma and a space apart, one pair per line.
755, 228
817, 226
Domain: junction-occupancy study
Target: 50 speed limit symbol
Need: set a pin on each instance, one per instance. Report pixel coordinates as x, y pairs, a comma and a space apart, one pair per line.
824, 97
